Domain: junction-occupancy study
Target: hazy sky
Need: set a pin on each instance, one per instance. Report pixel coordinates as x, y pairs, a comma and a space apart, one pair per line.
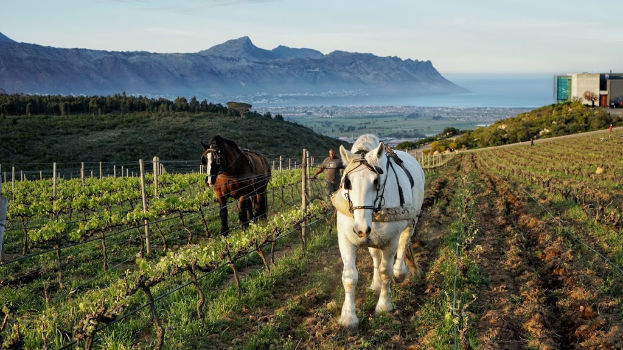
458, 36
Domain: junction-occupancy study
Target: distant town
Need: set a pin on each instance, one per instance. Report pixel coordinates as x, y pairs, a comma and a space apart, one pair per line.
394, 124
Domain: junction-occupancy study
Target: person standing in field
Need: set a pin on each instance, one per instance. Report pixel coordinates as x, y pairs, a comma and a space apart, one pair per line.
532, 141
332, 165
610, 129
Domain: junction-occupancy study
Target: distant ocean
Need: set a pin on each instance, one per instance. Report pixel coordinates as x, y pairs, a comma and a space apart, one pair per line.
485, 90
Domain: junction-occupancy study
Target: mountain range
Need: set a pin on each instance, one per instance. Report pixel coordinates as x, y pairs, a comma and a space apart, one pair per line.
234, 69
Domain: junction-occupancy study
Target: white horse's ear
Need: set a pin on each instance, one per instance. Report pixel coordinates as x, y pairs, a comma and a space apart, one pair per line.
379, 150
345, 154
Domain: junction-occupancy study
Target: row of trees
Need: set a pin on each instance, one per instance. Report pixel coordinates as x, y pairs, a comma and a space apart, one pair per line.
19, 104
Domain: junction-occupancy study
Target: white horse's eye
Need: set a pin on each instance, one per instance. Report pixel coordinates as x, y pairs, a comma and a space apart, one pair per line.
376, 181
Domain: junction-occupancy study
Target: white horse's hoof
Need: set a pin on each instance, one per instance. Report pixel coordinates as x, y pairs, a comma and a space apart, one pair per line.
349, 321
399, 277
383, 307
375, 287
400, 272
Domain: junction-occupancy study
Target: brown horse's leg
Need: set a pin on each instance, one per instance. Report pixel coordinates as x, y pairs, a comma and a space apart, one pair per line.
222, 201
243, 202
250, 205
265, 202
261, 200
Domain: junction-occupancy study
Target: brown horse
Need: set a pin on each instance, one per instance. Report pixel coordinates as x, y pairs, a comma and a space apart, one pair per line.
239, 174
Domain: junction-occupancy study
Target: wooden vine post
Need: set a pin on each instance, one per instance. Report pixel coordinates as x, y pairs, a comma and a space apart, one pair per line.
82, 172
143, 194
100, 170
156, 169
58, 238
304, 198
3, 209
13, 181
280, 163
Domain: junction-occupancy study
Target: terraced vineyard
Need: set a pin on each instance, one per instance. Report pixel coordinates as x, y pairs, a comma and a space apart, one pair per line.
519, 248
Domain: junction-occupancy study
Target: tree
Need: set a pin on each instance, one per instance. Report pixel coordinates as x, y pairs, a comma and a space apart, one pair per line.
240, 107
591, 96
181, 104
194, 104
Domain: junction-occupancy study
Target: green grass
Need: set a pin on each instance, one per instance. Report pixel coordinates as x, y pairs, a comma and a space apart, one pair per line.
437, 312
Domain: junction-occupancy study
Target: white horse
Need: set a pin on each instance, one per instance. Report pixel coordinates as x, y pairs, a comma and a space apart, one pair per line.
370, 185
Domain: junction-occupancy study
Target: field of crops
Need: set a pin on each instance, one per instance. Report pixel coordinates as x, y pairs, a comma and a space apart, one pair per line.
76, 261
519, 247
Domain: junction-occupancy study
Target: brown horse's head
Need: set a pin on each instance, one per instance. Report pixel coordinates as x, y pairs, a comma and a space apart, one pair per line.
211, 158
218, 157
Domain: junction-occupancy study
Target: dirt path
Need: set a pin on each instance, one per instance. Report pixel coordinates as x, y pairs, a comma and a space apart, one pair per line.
303, 312
616, 131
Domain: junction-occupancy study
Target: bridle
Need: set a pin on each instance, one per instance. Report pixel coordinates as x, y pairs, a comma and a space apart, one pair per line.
379, 201
218, 159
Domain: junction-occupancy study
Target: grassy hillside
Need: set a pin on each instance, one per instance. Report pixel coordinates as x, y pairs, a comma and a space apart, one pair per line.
127, 137
552, 120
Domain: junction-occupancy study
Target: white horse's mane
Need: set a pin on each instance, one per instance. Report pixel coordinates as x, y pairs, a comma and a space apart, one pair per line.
366, 143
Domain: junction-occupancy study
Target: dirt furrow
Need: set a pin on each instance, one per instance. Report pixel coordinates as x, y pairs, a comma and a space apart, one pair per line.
561, 297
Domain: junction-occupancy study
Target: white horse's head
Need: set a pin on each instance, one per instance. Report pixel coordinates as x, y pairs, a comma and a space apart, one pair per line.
363, 185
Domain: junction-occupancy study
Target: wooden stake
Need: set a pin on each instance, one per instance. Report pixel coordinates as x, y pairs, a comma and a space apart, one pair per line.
82, 172
100, 170
304, 198
279, 163
114, 171
155, 164
53, 181
3, 210
142, 170
13, 181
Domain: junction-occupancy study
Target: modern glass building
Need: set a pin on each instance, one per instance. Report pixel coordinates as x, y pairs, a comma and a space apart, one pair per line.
607, 87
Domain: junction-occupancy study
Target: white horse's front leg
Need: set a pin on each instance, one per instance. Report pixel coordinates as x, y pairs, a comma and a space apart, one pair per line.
400, 268
376, 276
348, 251
385, 269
